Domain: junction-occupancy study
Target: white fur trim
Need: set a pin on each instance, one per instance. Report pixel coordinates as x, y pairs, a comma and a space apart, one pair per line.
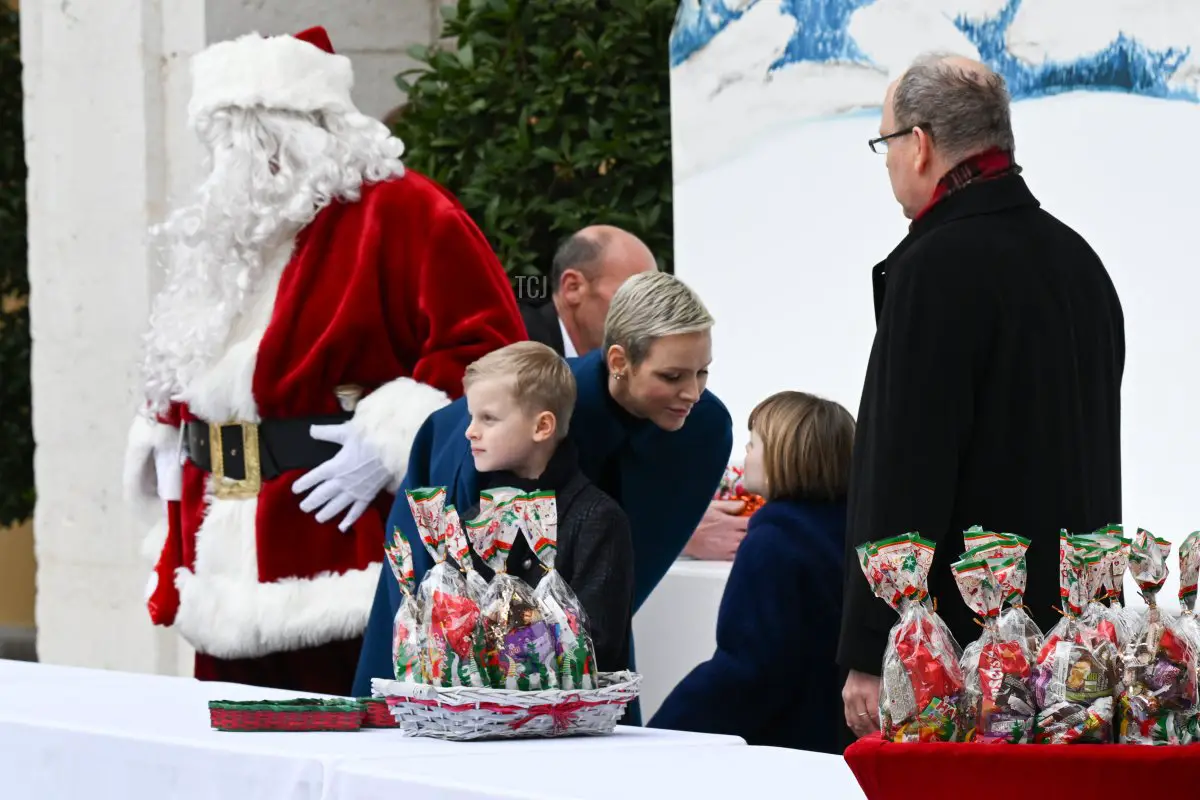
389, 417
146, 436
225, 612
276, 72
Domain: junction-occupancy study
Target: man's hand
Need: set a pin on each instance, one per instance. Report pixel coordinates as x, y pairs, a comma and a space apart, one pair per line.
351, 479
860, 696
719, 533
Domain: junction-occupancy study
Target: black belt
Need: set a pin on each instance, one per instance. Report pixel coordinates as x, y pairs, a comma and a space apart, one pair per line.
253, 452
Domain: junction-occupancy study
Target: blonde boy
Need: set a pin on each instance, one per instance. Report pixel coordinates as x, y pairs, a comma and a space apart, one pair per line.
519, 400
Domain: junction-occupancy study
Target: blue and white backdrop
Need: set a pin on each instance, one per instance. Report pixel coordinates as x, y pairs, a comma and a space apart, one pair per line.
781, 209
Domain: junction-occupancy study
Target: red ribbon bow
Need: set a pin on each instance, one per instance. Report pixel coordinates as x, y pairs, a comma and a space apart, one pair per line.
562, 713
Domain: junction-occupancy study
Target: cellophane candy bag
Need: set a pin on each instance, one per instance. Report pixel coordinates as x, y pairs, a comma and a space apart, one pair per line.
1104, 612
448, 614
922, 683
575, 654
406, 629
732, 487
997, 669
1077, 669
459, 544
1158, 695
1189, 623
1005, 554
1189, 573
520, 652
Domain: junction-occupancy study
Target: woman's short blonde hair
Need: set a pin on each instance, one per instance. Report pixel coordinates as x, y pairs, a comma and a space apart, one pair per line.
808, 443
541, 379
649, 306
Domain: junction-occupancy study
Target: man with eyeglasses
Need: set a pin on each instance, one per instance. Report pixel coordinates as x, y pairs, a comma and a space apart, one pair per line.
992, 394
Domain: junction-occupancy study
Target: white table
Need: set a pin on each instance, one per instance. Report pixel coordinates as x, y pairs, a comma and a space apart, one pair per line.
68, 732
666, 772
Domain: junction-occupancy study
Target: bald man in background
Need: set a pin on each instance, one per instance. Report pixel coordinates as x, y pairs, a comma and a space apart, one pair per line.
588, 267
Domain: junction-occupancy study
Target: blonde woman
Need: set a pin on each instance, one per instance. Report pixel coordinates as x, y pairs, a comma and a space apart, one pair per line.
773, 679
645, 428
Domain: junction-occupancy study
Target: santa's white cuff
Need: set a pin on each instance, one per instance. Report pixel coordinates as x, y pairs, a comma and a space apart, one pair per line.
389, 418
149, 450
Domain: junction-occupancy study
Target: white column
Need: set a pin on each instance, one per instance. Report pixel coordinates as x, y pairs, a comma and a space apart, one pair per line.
105, 87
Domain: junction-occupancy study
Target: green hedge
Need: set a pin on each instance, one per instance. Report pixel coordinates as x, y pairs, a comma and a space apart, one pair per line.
16, 433
544, 116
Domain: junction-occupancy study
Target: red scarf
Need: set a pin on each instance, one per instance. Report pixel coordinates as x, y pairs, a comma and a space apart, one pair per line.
989, 164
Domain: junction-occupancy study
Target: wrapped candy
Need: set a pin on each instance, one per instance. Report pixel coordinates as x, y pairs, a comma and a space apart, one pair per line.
519, 646
1005, 554
448, 614
922, 682
459, 545
1189, 573
997, 669
1111, 557
732, 487
406, 638
1158, 695
575, 654
1076, 673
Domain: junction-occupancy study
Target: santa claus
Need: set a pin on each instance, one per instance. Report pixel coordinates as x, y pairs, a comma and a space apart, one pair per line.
320, 302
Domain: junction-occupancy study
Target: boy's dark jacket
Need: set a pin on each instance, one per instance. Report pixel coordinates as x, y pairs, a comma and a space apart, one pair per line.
663, 480
773, 679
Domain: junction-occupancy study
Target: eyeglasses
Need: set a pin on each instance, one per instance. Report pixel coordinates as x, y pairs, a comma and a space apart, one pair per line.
880, 146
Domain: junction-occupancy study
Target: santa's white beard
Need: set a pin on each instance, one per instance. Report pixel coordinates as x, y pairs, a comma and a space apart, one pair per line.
272, 172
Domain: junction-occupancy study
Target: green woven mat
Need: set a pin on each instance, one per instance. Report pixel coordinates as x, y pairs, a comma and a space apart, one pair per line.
303, 704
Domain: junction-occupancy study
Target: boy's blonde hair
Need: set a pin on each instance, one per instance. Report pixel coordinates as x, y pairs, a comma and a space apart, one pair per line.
542, 380
649, 306
808, 443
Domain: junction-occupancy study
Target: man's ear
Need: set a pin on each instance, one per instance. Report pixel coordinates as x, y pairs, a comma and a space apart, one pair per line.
923, 152
544, 426
571, 286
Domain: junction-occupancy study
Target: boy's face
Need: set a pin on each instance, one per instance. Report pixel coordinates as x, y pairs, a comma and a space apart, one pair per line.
503, 435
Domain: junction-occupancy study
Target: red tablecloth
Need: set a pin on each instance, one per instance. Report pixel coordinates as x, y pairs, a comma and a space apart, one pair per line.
889, 771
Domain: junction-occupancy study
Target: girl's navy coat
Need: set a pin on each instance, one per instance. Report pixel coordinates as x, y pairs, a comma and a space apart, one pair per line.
773, 679
663, 480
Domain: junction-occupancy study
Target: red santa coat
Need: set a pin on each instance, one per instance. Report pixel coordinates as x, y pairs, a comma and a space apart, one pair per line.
396, 293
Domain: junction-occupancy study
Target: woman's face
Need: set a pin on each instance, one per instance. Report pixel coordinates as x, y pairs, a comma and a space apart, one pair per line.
754, 476
668, 382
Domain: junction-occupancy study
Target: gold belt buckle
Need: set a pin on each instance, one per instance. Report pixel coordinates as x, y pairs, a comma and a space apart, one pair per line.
228, 488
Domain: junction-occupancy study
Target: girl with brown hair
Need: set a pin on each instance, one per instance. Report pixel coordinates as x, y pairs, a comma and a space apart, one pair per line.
773, 679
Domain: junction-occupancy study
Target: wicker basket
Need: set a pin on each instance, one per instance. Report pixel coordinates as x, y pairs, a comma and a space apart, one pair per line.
303, 714
462, 713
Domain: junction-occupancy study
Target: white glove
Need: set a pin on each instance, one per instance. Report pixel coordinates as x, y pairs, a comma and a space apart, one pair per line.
153, 461
351, 479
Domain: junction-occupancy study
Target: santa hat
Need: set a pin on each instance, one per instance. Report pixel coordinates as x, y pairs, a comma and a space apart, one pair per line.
286, 73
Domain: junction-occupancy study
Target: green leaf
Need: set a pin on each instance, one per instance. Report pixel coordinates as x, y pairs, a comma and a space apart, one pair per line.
466, 56
418, 52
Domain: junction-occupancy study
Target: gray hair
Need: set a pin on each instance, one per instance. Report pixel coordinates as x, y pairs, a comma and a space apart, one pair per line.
963, 112
649, 306
578, 251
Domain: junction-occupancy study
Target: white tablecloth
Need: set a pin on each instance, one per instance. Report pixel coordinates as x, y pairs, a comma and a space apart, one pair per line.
68, 732
679, 773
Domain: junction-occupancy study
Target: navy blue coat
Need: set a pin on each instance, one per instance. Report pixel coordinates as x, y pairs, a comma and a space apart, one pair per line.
664, 480
774, 679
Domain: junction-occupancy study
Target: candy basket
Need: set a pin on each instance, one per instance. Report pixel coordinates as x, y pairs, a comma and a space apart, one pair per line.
463, 713
948, 771
302, 714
